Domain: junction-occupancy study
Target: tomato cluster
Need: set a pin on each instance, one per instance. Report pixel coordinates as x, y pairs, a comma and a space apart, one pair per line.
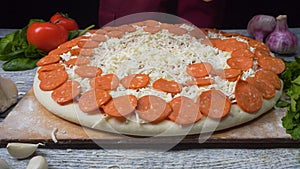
46, 36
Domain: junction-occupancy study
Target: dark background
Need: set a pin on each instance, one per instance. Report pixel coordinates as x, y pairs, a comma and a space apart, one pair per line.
16, 14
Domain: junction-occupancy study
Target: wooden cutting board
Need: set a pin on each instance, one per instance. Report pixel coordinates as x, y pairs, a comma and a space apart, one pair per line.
30, 122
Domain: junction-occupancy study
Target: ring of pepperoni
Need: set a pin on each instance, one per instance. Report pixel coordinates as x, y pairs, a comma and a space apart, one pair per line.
149, 78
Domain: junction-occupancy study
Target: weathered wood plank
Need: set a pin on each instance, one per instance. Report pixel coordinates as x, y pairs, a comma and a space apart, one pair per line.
203, 158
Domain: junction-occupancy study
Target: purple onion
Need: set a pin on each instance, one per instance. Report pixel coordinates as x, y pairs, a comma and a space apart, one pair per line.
282, 40
260, 26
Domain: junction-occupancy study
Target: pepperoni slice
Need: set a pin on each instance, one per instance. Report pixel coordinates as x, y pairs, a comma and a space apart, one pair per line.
166, 26
92, 31
179, 24
248, 97
67, 92
115, 34
229, 34
72, 42
153, 109
88, 44
49, 59
120, 106
59, 51
105, 82
81, 52
92, 100
242, 53
216, 41
177, 31
197, 33
101, 31
214, 104
86, 52
127, 28
98, 38
273, 64
229, 74
243, 63
139, 24
268, 77
201, 82
266, 88
52, 79
261, 53
233, 45
48, 71
229, 45
151, 23
185, 111
109, 28
51, 67
258, 45
77, 61
199, 69
75, 51
152, 30
135, 81
167, 86
88, 71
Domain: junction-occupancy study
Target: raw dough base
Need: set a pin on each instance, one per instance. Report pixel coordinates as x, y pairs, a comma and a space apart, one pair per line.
71, 112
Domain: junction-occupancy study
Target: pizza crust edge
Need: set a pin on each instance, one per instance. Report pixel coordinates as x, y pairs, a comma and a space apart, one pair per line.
72, 113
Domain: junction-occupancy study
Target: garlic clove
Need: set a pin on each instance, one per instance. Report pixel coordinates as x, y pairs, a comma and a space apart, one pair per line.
4, 165
21, 150
8, 94
37, 162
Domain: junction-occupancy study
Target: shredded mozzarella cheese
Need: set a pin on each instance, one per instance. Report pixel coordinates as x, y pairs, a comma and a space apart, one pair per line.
160, 55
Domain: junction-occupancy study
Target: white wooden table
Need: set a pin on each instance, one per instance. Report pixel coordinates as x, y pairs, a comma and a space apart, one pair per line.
280, 157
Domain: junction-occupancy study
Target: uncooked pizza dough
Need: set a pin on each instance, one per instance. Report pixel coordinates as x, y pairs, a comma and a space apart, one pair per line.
169, 56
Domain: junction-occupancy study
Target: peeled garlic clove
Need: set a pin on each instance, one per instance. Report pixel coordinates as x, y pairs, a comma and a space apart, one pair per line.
21, 150
4, 165
8, 94
37, 162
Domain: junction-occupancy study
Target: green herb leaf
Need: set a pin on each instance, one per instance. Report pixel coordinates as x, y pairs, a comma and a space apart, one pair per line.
288, 120
297, 59
14, 49
18, 64
297, 80
282, 104
291, 79
73, 34
295, 133
7, 45
34, 20
32, 52
86, 29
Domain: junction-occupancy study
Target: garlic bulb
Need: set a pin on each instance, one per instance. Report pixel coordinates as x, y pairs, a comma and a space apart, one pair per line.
260, 26
21, 150
282, 40
37, 162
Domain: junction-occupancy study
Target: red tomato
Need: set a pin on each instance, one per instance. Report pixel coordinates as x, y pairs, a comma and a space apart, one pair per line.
68, 24
46, 36
61, 19
56, 17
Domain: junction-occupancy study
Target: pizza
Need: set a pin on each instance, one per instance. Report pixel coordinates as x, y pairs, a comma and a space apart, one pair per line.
151, 78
